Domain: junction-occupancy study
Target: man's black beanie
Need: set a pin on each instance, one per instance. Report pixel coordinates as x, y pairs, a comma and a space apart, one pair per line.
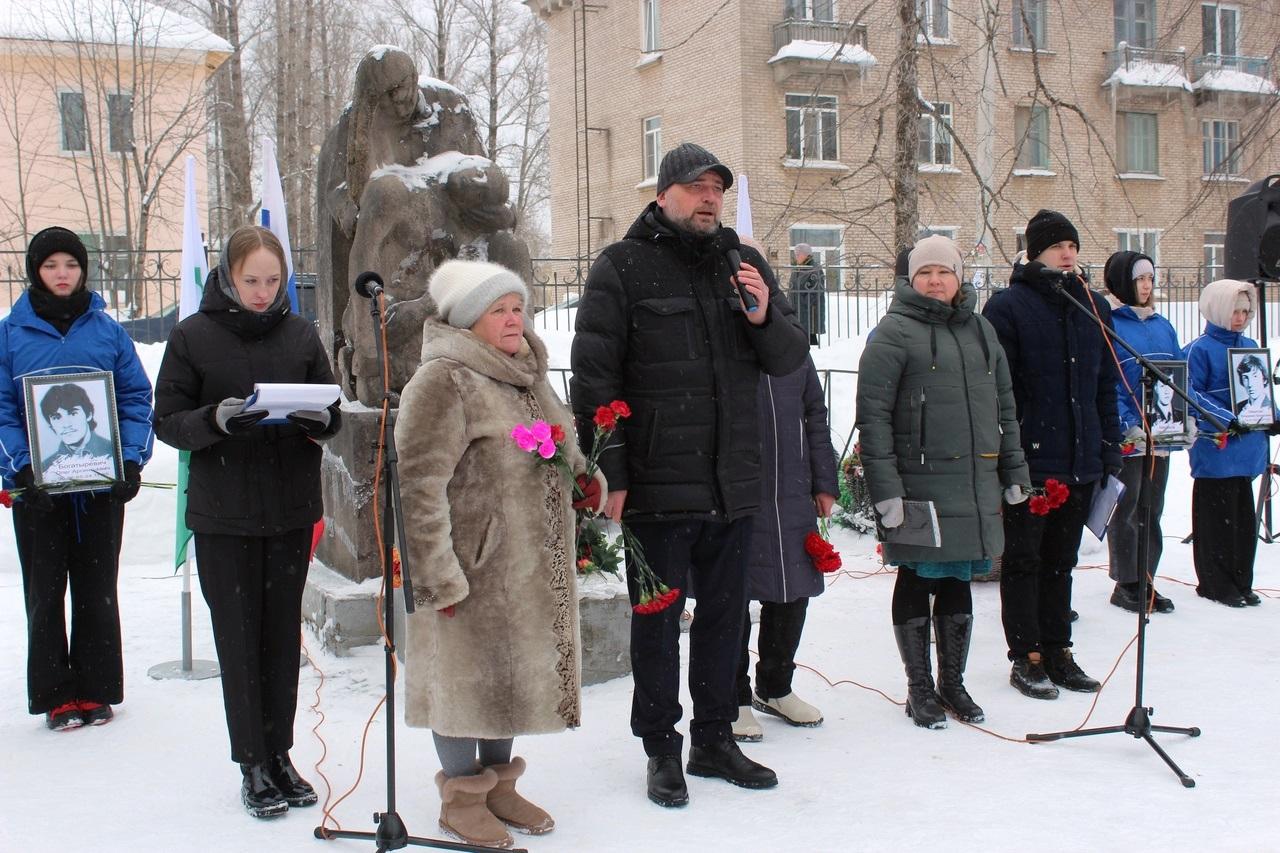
49, 241
686, 162
1045, 229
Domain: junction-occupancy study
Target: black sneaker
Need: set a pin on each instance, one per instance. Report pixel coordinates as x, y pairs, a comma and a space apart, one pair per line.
261, 797
95, 714
724, 760
665, 781
64, 718
1063, 671
1029, 677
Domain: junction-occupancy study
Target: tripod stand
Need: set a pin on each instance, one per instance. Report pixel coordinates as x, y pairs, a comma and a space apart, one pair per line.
391, 833
1138, 723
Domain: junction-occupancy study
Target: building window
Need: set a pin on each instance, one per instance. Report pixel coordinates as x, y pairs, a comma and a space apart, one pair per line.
948, 231
1030, 24
1219, 29
826, 242
935, 20
75, 125
812, 129
809, 10
652, 147
649, 21
120, 122
1139, 240
1031, 127
1221, 147
1136, 143
935, 136
1020, 240
1135, 22
1215, 254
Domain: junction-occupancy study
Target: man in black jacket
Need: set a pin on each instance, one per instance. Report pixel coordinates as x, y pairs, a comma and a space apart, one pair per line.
661, 326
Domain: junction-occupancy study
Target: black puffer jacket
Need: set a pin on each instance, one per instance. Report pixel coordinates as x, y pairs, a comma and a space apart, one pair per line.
265, 481
660, 326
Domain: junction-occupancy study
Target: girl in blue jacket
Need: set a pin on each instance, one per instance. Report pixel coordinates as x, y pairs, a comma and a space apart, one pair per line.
1223, 520
1130, 280
59, 326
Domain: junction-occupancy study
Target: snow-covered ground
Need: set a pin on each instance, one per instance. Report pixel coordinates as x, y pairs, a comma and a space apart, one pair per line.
159, 776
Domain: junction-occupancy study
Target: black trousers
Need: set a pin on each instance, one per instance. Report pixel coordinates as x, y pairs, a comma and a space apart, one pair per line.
1035, 577
780, 627
1128, 526
77, 544
911, 596
253, 586
713, 554
1225, 526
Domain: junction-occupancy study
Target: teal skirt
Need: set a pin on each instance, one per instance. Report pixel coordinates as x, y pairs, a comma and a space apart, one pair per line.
963, 570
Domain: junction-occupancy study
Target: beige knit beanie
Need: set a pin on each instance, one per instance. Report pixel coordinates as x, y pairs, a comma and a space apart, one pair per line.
463, 290
935, 250
1218, 299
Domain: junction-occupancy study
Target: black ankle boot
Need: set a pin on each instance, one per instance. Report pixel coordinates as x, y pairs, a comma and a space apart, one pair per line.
296, 790
665, 781
913, 646
724, 760
259, 794
953, 632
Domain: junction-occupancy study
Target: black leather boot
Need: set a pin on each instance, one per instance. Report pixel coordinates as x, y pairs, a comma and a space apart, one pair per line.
953, 632
1063, 671
259, 794
724, 760
665, 781
913, 646
296, 790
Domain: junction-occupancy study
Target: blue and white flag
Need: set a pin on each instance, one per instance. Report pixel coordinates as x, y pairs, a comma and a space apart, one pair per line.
273, 216
194, 267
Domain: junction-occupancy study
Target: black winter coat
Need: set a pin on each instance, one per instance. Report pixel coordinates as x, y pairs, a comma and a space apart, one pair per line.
797, 463
660, 326
262, 482
808, 288
1064, 378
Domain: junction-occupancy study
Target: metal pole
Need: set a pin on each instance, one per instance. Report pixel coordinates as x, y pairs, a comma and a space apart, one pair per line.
186, 668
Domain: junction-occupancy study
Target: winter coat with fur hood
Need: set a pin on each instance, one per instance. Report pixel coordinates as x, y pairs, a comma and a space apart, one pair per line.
1209, 384
490, 533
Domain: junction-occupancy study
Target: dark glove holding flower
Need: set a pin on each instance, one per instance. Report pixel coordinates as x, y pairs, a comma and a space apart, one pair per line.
313, 423
1274, 429
590, 489
31, 495
1235, 429
230, 417
126, 490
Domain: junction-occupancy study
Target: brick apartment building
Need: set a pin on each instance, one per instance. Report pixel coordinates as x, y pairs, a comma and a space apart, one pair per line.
1151, 115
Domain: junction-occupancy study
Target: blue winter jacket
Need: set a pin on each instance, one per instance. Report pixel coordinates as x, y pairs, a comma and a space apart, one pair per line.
1064, 378
1208, 383
1156, 339
30, 346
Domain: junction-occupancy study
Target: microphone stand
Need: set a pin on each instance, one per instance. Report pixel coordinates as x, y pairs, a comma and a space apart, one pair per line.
1263, 508
391, 834
1138, 723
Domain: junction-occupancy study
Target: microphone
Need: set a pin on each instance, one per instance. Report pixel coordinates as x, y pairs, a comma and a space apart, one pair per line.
729, 239
368, 284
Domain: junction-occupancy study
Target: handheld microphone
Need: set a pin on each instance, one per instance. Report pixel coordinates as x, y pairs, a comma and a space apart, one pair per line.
729, 239
368, 284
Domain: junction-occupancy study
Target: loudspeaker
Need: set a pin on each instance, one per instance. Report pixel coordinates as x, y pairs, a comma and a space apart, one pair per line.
1253, 232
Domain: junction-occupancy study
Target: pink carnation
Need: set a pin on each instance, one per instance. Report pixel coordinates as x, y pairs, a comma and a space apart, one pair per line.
524, 439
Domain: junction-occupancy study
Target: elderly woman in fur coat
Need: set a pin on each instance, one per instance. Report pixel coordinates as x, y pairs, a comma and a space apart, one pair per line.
493, 651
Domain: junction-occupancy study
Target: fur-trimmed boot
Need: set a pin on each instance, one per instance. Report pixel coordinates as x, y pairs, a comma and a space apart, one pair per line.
922, 702
464, 814
508, 806
953, 631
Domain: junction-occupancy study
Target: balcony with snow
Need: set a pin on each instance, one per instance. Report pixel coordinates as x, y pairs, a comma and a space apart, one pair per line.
1145, 73
819, 47
1249, 80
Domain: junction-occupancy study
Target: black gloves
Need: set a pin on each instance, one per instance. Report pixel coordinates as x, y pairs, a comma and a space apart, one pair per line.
1235, 429
126, 490
1274, 429
32, 496
230, 418
1111, 471
312, 423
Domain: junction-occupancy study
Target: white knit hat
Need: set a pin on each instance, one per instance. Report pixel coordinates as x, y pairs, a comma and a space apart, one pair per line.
937, 250
1218, 299
463, 290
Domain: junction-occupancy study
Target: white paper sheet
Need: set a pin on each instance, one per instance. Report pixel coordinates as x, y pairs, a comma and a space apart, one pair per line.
279, 399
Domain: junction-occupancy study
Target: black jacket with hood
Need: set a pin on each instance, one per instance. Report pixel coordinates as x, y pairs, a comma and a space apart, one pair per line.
265, 481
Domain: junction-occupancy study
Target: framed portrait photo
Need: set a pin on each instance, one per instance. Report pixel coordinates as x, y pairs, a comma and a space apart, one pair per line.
73, 430
1166, 411
1249, 373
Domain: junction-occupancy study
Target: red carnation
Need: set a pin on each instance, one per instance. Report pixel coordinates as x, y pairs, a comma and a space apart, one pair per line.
1039, 505
6, 499
606, 419
1222, 440
814, 545
620, 408
557, 433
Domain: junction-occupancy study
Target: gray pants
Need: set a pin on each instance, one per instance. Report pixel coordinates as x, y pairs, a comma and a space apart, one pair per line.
464, 756
1127, 525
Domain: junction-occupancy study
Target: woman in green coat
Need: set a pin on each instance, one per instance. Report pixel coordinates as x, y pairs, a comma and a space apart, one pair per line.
938, 423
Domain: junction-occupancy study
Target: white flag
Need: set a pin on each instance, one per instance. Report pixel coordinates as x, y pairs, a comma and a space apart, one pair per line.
273, 216
194, 264
743, 226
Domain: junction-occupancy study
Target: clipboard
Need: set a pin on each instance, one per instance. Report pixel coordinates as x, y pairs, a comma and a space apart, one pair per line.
1106, 497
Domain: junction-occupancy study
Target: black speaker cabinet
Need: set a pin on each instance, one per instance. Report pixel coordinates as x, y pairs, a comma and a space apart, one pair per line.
1253, 232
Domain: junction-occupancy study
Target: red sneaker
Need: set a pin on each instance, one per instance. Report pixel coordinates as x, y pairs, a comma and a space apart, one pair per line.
64, 718
95, 713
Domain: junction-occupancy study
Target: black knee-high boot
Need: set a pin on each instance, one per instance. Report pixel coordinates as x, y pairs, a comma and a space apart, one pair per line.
953, 631
913, 645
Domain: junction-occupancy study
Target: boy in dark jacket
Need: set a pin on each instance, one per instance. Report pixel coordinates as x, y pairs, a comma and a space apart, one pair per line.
1064, 383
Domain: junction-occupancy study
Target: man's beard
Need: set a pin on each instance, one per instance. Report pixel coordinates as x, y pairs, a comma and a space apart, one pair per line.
688, 224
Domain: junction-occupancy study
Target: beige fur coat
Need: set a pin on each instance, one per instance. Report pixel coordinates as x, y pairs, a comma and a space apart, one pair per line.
490, 531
